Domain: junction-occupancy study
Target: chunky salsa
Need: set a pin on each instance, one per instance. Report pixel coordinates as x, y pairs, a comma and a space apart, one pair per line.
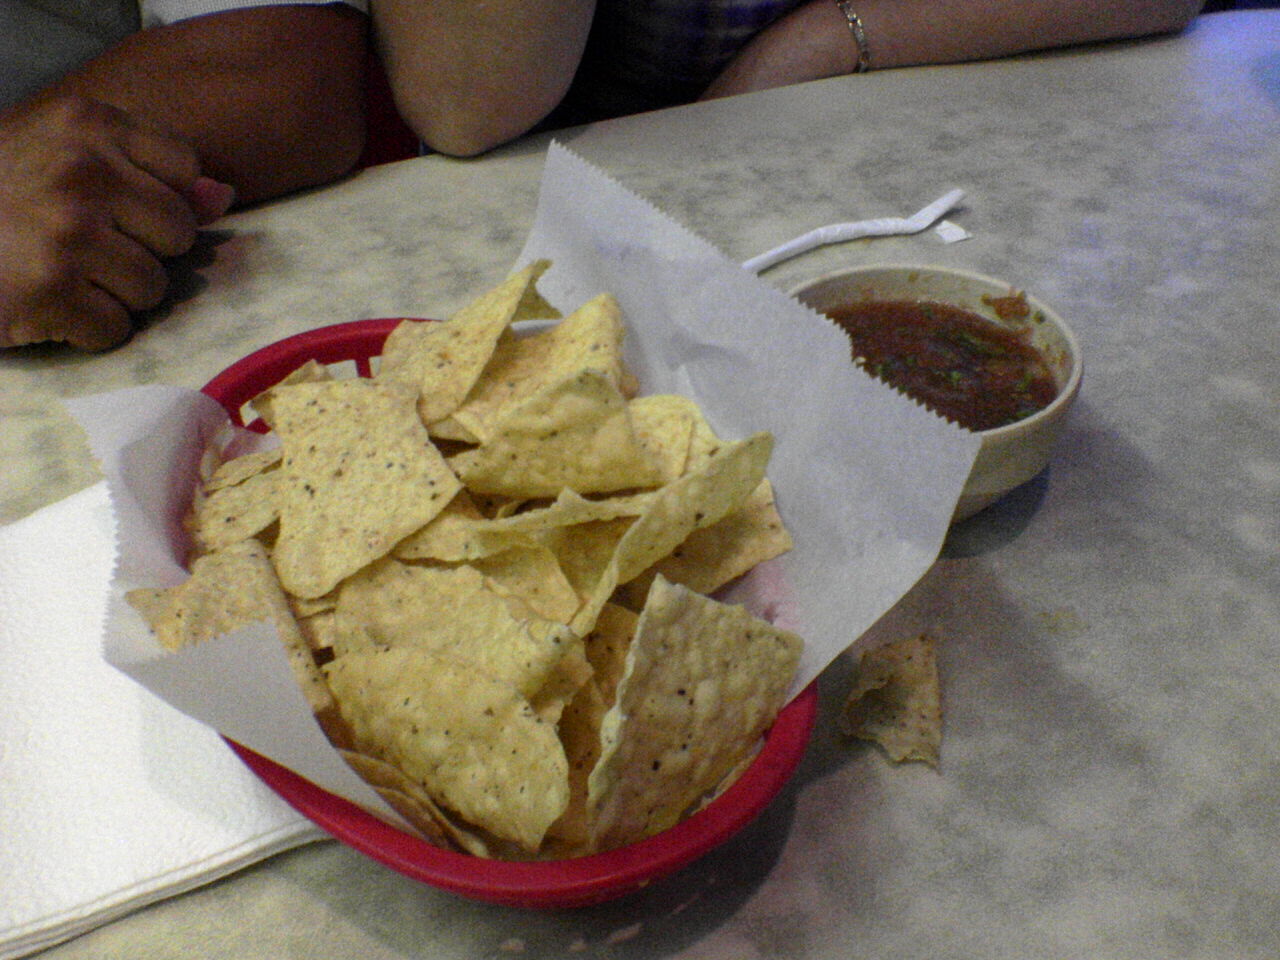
978, 373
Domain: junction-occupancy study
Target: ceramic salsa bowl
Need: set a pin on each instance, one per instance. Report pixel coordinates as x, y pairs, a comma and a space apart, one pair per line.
1012, 454
541, 884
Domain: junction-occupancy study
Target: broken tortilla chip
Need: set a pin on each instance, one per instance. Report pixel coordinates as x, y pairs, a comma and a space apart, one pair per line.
896, 700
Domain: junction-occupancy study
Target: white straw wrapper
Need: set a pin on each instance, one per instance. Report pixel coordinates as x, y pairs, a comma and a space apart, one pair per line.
840, 232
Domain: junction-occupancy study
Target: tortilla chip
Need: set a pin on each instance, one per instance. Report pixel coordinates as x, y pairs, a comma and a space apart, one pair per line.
588, 339
236, 512
411, 800
310, 372
455, 534
529, 574
466, 534
442, 361
713, 556
696, 500
896, 700
242, 468
579, 730
606, 648
474, 744
227, 590
570, 508
703, 441
310, 606
583, 551
359, 474
575, 433
321, 631
703, 683
664, 425
403, 795
391, 604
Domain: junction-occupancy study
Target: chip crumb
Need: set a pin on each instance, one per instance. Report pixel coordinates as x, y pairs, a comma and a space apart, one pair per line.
896, 700
1061, 620
623, 934
512, 945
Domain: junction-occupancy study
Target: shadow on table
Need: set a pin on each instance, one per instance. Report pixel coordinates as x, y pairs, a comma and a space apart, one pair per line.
186, 279
1095, 471
999, 523
663, 919
1266, 73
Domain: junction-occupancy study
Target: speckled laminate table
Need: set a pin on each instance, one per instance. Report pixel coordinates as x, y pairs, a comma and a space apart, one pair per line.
1110, 784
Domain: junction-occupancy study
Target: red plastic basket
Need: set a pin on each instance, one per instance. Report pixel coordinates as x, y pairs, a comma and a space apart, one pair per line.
548, 883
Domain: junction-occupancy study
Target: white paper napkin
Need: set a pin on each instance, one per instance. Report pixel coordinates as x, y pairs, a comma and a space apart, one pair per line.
110, 798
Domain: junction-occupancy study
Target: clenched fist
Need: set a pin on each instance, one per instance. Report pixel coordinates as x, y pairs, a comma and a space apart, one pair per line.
91, 202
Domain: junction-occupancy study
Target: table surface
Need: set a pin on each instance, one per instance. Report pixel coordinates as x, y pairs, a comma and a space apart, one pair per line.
1110, 782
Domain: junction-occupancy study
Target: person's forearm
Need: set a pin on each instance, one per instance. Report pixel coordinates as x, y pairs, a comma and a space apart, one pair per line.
471, 74
950, 31
814, 41
272, 97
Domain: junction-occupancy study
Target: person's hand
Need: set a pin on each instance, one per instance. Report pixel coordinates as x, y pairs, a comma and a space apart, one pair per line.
91, 201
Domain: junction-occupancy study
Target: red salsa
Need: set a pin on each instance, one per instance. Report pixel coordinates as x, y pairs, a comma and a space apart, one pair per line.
978, 373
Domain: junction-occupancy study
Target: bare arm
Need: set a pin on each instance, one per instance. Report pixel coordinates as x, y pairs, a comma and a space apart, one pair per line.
814, 40
270, 97
470, 74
